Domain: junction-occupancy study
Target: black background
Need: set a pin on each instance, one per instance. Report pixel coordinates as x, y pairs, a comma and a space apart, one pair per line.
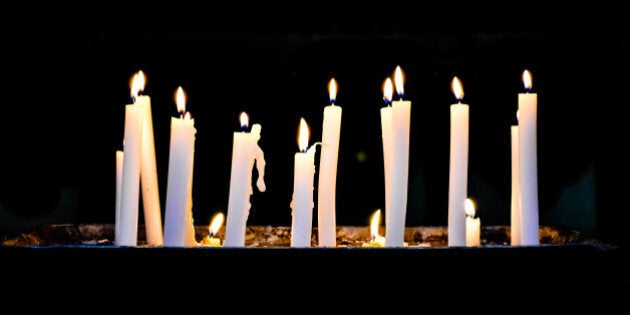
67, 71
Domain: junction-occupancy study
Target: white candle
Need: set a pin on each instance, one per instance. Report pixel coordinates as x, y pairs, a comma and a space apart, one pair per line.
212, 240
148, 168
458, 172
130, 185
386, 131
515, 200
400, 123
119, 174
179, 229
473, 225
245, 152
326, 199
302, 203
527, 121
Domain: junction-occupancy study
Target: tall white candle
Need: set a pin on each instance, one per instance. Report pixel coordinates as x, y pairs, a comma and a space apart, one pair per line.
302, 203
458, 172
386, 131
119, 174
527, 122
245, 152
179, 229
400, 123
515, 200
148, 168
130, 185
327, 184
473, 225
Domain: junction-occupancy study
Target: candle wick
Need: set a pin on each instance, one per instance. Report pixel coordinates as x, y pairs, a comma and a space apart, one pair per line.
181, 114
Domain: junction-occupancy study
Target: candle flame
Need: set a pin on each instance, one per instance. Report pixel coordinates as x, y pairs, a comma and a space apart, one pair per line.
469, 207
137, 83
303, 135
388, 90
215, 224
244, 120
332, 90
399, 78
375, 222
180, 100
527, 80
457, 88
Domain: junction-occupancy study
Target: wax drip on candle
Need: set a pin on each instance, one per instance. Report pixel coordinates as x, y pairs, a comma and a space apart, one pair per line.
399, 79
458, 90
527, 80
388, 91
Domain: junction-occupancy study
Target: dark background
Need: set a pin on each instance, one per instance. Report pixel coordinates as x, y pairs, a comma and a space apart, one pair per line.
67, 71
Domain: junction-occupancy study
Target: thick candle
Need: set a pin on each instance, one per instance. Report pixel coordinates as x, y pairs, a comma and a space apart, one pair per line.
179, 229
386, 131
458, 172
473, 225
515, 198
528, 165
245, 152
326, 198
302, 204
119, 173
148, 168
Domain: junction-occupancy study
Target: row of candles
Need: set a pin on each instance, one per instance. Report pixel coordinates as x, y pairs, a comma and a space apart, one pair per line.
136, 175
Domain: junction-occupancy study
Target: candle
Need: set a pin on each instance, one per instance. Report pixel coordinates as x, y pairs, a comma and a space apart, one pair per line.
326, 228
398, 165
130, 183
245, 153
148, 169
528, 169
458, 173
376, 240
515, 200
386, 131
179, 229
119, 174
212, 240
473, 225
302, 203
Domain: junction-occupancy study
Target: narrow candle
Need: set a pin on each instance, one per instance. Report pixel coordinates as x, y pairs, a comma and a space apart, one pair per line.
245, 153
386, 131
528, 165
179, 229
302, 203
473, 225
212, 240
327, 184
515, 200
130, 185
376, 239
148, 168
119, 174
458, 172
400, 123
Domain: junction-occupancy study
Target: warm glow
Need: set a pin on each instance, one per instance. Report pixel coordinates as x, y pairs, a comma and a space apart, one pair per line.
458, 90
244, 120
469, 206
215, 224
187, 116
388, 90
527, 80
375, 222
137, 83
399, 79
303, 135
332, 90
180, 100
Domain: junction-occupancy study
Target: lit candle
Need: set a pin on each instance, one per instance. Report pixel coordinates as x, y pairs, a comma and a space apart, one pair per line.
376, 240
245, 153
212, 240
302, 203
386, 130
179, 229
528, 168
458, 173
326, 226
127, 226
148, 169
515, 200
399, 166
473, 225
119, 174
